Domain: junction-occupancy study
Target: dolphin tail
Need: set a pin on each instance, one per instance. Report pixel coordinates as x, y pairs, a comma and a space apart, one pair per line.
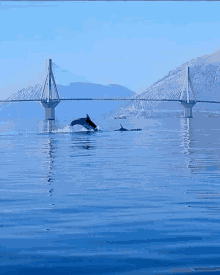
92, 124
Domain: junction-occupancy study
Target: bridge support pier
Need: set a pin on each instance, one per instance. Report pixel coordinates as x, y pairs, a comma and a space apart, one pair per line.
188, 107
50, 97
49, 108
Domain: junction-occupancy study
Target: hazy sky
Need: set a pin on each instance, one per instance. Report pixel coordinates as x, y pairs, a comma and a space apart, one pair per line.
127, 43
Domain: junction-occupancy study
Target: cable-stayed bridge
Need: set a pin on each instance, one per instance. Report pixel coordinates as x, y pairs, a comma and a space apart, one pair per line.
174, 88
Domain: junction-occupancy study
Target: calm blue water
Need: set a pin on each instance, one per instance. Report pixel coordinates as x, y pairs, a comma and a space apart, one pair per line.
109, 202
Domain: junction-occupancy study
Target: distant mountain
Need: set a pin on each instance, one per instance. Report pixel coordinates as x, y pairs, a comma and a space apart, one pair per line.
71, 109
65, 77
68, 109
205, 79
79, 89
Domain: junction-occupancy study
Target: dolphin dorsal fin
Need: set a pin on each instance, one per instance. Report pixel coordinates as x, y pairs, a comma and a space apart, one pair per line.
121, 126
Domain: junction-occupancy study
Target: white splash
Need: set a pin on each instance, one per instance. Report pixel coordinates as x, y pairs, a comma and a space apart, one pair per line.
73, 129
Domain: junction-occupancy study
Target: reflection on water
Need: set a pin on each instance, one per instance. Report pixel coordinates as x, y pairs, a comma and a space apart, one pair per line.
188, 142
186, 129
201, 144
49, 148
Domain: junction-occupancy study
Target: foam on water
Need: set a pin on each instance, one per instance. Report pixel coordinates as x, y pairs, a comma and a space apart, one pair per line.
73, 129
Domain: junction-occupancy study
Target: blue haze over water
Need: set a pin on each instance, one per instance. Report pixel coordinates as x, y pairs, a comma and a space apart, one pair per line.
111, 202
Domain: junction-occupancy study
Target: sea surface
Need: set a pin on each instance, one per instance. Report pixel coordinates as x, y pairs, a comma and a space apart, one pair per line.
108, 202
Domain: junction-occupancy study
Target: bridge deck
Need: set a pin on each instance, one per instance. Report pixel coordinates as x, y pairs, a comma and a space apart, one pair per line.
108, 99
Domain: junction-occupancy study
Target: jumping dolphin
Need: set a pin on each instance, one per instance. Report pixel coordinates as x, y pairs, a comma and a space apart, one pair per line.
122, 129
85, 122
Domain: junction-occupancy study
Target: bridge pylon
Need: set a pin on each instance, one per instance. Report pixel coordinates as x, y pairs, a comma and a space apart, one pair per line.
50, 96
188, 98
